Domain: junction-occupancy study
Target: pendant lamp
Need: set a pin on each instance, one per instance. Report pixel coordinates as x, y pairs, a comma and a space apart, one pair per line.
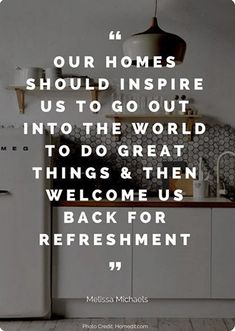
155, 42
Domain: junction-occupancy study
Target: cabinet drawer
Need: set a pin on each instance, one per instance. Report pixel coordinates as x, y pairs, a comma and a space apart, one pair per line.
223, 248
179, 271
81, 271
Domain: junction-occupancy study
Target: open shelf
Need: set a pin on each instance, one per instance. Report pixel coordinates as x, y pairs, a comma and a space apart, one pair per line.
21, 91
152, 117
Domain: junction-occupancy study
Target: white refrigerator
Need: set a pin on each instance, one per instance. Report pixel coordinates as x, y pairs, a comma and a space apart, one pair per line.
24, 213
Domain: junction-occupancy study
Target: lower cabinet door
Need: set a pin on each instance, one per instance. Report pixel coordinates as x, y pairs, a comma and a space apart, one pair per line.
223, 248
174, 271
81, 271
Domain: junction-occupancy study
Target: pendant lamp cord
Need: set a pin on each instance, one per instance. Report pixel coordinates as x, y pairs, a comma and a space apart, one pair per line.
155, 12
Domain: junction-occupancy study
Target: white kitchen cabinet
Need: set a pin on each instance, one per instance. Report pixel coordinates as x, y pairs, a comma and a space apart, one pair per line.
223, 248
179, 271
81, 271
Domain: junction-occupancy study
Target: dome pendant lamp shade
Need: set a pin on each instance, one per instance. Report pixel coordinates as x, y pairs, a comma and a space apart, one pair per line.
155, 42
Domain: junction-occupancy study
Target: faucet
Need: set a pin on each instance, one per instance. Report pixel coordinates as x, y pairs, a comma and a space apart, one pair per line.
218, 191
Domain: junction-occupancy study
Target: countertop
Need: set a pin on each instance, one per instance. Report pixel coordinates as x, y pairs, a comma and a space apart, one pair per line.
153, 202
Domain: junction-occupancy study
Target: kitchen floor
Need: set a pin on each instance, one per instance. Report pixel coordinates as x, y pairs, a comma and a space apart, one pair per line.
120, 324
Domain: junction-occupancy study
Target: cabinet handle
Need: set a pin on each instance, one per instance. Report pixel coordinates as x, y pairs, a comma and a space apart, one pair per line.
4, 192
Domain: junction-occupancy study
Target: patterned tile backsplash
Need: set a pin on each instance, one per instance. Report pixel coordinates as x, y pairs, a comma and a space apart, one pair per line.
217, 139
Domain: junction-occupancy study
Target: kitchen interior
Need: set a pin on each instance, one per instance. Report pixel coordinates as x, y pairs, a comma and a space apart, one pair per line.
192, 289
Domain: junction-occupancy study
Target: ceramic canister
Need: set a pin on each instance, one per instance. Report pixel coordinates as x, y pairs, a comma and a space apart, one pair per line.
22, 74
53, 74
200, 189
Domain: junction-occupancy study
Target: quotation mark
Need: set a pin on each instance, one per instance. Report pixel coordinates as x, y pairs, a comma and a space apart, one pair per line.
115, 266
116, 35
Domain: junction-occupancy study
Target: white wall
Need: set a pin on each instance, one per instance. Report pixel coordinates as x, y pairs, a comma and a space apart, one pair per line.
32, 32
